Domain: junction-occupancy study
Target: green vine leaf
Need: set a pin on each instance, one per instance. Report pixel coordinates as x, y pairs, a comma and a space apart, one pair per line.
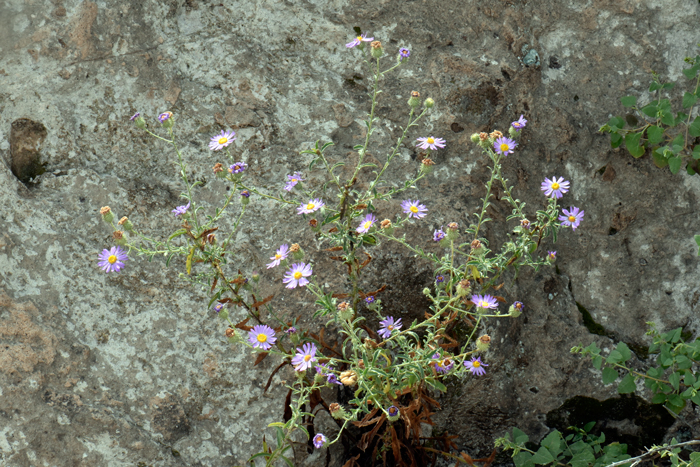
627, 385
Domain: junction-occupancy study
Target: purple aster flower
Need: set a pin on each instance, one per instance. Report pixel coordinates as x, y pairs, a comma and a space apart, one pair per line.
475, 365
319, 440
221, 141
164, 116
218, 307
439, 279
178, 211
293, 180
438, 235
280, 255
571, 218
369, 299
238, 167
555, 187
333, 379
551, 255
290, 330
388, 326
504, 146
431, 142
520, 124
135, 116
485, 301
297, 274
262, 336
112, 260
443, 365
414, 209
359, 40
305, 357
404, 53
366, 223
311, 206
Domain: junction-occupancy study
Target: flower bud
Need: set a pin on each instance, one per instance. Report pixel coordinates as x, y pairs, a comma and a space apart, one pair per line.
377, 50
393, 413
482, 343
426, 292
428, 103
126, 223
255, 276
337, 411
296, 252
348, 378
414, 100
516, 309
107, 214
118, 237
512, 132
475, 138
463, 288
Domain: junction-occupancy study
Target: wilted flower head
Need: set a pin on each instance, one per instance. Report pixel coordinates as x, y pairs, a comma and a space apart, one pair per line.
519, 124
218, 307
221, 141
164, 116
442, 365
292, 181
245, 193
495, 134
414, 208
262, 336
135, 116
290, 330
359, 40
525, 224
238, 167
319, 440
475, 365
112, 260
280, 255
551, 255
483, 342
555, 187
348, 377
439, 278
438, 235
404, 53
218, 167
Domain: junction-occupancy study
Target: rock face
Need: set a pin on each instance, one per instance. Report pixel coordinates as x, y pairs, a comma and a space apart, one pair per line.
131, 368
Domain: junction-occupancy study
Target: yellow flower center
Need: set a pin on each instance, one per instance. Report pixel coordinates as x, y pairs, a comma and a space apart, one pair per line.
390, 327
262, 337
297, 275
307, 358
555, 186
476, 364
504, 147
368, 224
112, 259
223, 140
483, 304
310, 206
295, 180
359, 38
431, 140
278, 256
413, 209
572, 218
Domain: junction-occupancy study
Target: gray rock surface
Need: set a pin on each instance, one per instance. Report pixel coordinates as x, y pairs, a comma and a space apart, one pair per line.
132, 369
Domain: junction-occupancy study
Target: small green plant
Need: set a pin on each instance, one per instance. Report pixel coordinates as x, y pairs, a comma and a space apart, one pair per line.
673, 379
671, 138
578, 449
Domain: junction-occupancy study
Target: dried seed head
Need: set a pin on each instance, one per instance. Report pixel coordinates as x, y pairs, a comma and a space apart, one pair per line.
348, 377
453, 226
495, 134
483, 136
482, 343
385, 224
230, 332
218, 167
294, 247
476, 244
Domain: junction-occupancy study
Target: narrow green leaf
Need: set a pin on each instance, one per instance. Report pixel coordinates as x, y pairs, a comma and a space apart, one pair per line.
655, 134
627, 385
629, 101
609, 375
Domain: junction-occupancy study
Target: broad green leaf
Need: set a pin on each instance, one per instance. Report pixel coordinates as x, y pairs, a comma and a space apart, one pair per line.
683, 362
553, 443
690, 170
650, 110
582, 459
629, 101
609, 375
690, 73
614, 357
694, 128
658, 398
675, 403
627, 385
624, 350
632, 143
654, 86
588, 426
674, 164
655, 134
667, 118
616, 123
523, 459
675, 380
697, 239
519, 437
597, 362
615, 140
542, 456
696, 152
668, 85
696, 399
